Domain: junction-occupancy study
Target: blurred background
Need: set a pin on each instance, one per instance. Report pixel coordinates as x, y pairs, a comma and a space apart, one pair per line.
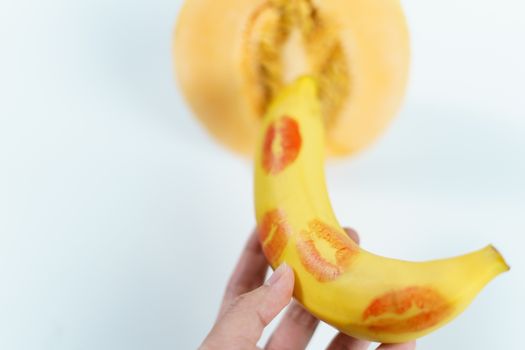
120, 219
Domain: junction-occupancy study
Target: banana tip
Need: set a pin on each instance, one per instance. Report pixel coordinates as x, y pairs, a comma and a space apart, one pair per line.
309, 83
504, 266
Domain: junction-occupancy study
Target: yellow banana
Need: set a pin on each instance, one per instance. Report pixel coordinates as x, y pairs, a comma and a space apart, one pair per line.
359, 293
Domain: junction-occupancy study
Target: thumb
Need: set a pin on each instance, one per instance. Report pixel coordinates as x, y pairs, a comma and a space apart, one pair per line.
242, 324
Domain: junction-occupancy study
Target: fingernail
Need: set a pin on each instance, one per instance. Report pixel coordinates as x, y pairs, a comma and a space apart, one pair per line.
277, 274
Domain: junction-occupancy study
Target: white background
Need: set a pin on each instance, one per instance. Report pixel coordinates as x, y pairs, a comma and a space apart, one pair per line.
120, 219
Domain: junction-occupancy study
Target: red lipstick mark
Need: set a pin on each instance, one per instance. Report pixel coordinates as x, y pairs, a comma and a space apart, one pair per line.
424, 307
343, 249
274, 232
281, 146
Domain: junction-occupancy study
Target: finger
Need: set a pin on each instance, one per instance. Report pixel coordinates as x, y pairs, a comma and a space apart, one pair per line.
404, 346
295, 329
346, 342
249, 273
353, 234
241, 325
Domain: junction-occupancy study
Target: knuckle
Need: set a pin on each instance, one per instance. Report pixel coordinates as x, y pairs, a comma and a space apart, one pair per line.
239, 300
238, 288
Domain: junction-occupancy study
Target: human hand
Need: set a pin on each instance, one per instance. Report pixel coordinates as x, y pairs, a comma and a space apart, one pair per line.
249, 306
